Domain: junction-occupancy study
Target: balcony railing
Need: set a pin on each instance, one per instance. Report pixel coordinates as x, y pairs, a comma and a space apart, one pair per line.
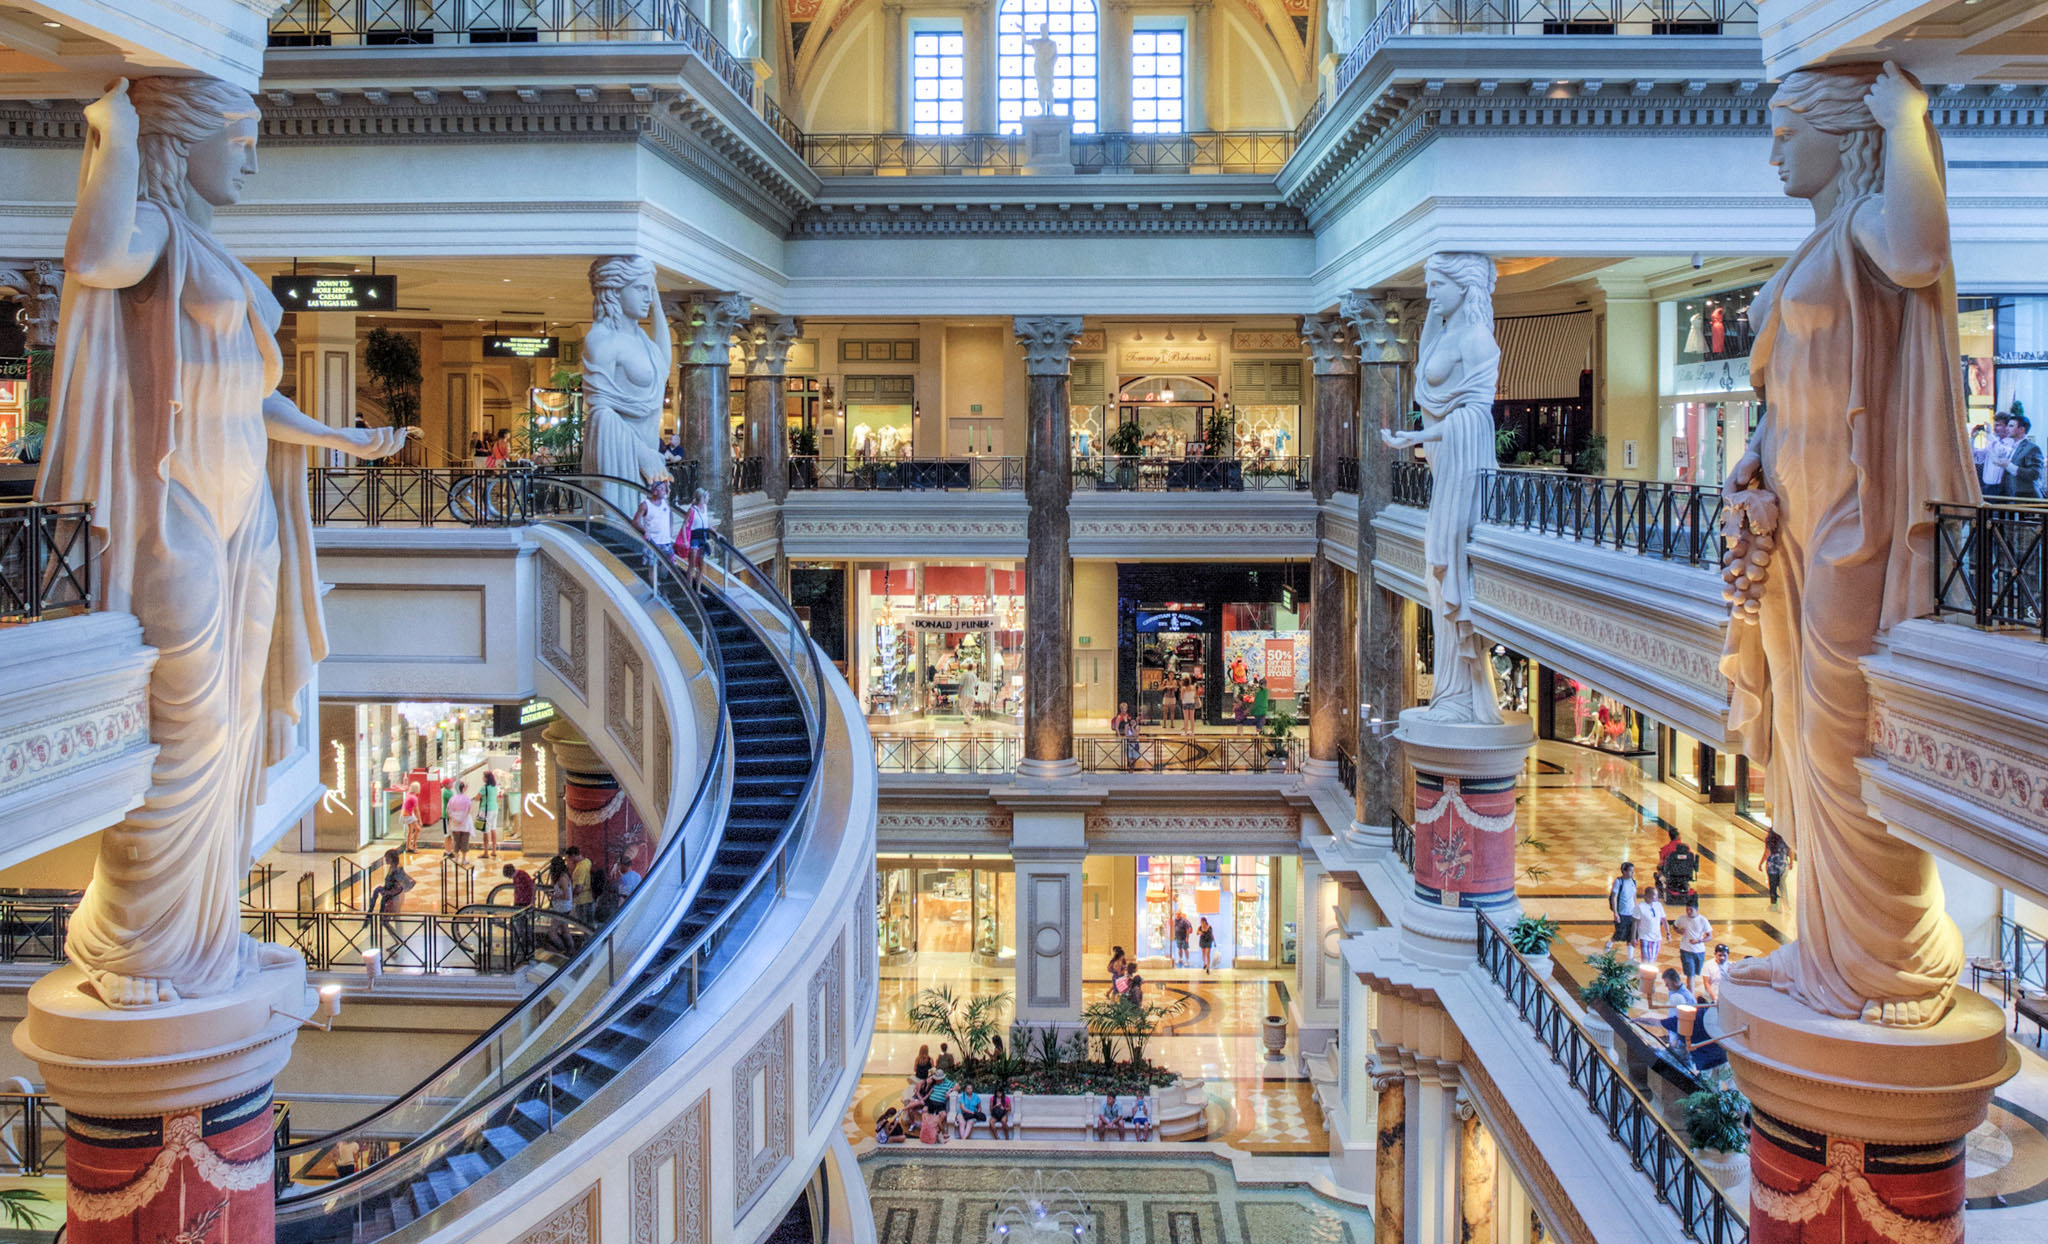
999, 754
1404, 842
1989, 562
2025, 953
46, 561
387, 23
1704, 1212
1675, 522
1347, 475
1411, 482
912, 155
907, 475
1534, 18
1145, 474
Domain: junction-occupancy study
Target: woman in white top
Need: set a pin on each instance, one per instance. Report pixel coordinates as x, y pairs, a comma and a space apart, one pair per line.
1650, 920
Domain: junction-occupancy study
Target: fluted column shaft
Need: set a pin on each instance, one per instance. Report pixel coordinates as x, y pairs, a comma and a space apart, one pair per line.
704, 325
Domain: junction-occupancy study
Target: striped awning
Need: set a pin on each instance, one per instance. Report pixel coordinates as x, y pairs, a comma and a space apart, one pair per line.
1541, 356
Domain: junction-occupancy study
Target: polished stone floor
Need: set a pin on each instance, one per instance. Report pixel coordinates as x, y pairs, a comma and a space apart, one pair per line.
1118, 1194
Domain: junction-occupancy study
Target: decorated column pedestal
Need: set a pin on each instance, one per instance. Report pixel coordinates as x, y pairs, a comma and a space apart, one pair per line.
168, 1109
1465, 775
1858, 1129
597, 818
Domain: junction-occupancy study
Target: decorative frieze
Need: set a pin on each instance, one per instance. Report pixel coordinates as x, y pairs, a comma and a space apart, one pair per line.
682, 1151
1258, 219
1696, 665
56, 747
1990, 774
763, 1076
564, 639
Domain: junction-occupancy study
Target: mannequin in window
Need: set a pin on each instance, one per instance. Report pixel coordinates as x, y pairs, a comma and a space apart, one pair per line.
1720, 330
1694, 343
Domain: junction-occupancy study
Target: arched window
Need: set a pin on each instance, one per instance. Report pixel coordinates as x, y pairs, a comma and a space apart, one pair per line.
1072, 25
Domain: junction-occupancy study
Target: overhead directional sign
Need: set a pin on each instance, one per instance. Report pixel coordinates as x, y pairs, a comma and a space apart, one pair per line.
497, 346
335, 293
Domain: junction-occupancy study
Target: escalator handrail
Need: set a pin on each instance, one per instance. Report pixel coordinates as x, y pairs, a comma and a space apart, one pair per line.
409, 1163
601, 942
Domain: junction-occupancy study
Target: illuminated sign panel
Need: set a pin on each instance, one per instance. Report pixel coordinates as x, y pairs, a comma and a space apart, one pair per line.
15, 368
335, 293
501, 347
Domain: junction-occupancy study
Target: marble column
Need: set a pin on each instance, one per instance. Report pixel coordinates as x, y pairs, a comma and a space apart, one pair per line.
704, 326
1382, 387
1478, 1176
1391, 1159
1048, 343
1859, 1130
1430, 1208
324, 343
768, 339
1336, 420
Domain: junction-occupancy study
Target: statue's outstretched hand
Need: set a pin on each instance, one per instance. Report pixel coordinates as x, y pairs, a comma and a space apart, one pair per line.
371, 444
1395, 440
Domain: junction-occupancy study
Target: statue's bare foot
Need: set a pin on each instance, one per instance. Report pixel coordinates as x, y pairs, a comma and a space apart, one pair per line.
131, 993
1777, 970
1908, 1012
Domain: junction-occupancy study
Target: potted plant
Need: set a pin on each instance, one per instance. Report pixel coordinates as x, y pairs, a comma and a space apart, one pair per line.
803, 458
1531, 937
1593, 458
1124, 444
1279, 724
1609, 995
1717, 1127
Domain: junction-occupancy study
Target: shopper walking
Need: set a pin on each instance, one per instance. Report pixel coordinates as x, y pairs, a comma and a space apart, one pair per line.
1693, 931
579, 881
656, 522
522, 885
397, 882
409, 813
697, 526
1262, 706
490, 813
1125, 727
2025, 471
1776, 861
1621, 903
1182, 931
1206, 938
1190, 703
1650, 922
1169, 702
461, 823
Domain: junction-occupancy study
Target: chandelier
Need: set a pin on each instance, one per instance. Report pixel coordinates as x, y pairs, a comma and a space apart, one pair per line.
1047, 1210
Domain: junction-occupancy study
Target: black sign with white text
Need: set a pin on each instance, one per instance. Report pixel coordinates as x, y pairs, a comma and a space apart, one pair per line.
502, 347
335, 293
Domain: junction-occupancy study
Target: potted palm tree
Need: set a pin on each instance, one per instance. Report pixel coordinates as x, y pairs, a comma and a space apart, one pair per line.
1279, 724
1609, 995
1717, 1128
1531, 937
1124, 444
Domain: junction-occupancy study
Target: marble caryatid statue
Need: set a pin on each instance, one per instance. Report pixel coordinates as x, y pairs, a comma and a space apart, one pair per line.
625, 377
1830, 535
1457, 371
165, 416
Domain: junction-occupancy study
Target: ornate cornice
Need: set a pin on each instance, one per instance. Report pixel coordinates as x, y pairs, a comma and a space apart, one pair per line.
1041, 219
1048, 342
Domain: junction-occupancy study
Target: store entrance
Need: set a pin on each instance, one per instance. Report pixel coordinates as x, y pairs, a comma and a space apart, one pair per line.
1173, 654
962, 907
1232, 892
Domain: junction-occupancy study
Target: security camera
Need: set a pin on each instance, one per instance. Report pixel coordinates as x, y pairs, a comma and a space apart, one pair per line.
1698, 261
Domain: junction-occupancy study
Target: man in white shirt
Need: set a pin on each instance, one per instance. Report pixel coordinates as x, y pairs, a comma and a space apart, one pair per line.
1693, 932
1711, 974
1995, 456
1621, 900
656, 521
1650, 921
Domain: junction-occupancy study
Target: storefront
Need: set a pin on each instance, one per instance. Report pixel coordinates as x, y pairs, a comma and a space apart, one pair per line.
1696, 768
1710, 408
1211, 633
1170, 413
1583, 714
2004, 342
377, 750
1234, 893
939, 641
13, 402
960, 905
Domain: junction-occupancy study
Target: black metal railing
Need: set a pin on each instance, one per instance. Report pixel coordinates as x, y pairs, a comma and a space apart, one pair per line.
1249, 754
500, 23
384, 496
1989, 562
1347, 475
1704, 1212
46, 560
1674, 522
31, 1135
2025, 953
1404, 842
1347, 770
34, 930
1149, 474
988, 474
916, 155
746, 475
1530, 18
959, 754
1411, 482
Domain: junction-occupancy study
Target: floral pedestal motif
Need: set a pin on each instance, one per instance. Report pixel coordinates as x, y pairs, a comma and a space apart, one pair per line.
1465, 776
201, 1174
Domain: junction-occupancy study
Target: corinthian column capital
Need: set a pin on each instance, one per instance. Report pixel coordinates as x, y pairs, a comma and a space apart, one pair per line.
1376, 321
704, 325
1329, 345
38, 284
765, 341
1048, 342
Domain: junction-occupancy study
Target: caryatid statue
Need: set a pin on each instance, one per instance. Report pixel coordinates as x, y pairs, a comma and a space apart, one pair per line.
1830, 534
1457, 373
625, 377
165, 416
1045, 51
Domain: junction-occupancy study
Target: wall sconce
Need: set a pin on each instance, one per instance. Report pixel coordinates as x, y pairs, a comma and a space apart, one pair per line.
373, 964
324, 1015
1371, 725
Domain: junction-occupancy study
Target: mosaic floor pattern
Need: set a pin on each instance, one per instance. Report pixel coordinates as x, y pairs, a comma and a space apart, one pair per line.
930, 1198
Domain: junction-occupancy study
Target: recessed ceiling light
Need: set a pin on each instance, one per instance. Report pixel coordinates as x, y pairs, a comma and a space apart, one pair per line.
506, 279
54, 25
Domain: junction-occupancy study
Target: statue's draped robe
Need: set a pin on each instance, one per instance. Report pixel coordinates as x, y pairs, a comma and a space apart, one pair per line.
1463, 403
622, 421
1864, 428
203, 532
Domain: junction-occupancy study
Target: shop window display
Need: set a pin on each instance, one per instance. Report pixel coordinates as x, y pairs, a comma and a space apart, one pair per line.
1173, 651
961, 906
1589, 717
944, 642
437, 745
1267, 641
1233, 892
1710, 408
2004, 342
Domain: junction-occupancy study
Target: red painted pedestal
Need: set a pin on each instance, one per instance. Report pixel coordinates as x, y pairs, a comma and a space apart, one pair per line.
1464, 840
1807, 1187
201, 1176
